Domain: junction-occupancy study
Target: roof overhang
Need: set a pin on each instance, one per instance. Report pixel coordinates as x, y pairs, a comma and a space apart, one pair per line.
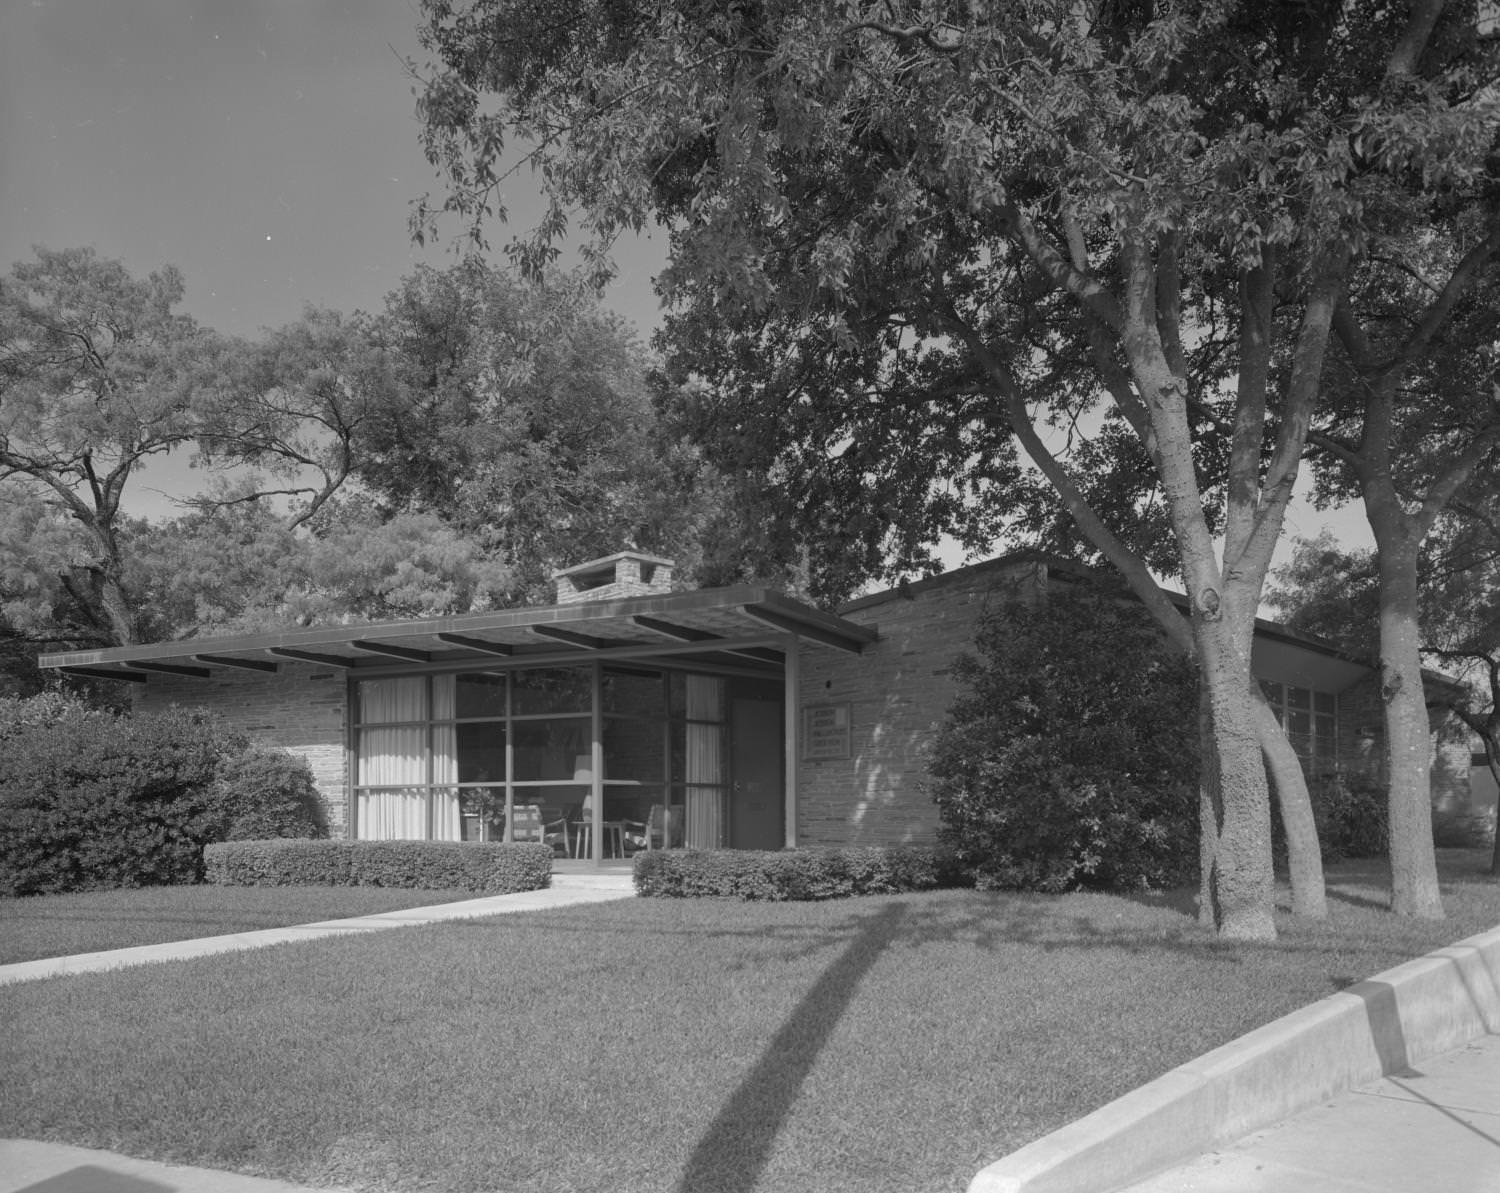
745, 626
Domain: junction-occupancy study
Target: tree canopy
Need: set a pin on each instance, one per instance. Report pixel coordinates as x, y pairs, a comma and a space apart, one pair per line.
909, 238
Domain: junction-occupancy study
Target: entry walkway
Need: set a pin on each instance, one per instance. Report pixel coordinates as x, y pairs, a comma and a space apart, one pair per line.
1433, 1130
567, 889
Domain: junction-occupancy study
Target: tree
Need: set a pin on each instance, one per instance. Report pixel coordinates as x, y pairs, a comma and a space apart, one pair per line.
96, 374
1414, 424
523, 415
916, 198
1336, 594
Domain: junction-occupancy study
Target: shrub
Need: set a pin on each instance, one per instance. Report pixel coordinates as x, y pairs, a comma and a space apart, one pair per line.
486, 867
266, 792
789, 875
1070, 757
92, 799
1351, 816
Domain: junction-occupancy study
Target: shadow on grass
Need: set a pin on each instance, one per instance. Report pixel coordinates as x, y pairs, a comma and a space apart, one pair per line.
734, 1150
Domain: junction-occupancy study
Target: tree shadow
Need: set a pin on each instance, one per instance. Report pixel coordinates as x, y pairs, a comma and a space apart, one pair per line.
91, 1178
737, 1145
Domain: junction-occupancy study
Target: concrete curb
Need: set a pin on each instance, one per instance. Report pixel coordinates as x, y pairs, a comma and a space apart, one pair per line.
1378, 1027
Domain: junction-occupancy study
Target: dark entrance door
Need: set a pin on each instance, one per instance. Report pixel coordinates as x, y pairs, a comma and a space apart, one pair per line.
757, 807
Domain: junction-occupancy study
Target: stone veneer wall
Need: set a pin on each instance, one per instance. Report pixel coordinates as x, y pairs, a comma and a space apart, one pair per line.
898, 690
301, 708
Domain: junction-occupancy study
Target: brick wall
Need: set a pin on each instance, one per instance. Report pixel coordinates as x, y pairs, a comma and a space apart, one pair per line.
301, 708
898, 691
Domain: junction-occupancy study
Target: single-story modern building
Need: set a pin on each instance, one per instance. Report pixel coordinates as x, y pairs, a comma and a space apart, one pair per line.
631, 715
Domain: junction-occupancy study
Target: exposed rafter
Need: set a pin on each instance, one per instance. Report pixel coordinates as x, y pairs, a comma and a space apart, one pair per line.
478, 644
827, 635
101, 673
219, 660
309, 656
574, 638
172, 669
406, 653
671, 629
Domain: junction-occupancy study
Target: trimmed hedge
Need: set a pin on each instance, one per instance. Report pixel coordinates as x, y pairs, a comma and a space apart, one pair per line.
790, 875
492, 868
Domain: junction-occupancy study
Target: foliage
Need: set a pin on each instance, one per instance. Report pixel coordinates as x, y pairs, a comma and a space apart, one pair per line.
1069, 759
97, 374
90, 799
905, 235
266, 792
495, 868
796, 874
1352, 820
522, 415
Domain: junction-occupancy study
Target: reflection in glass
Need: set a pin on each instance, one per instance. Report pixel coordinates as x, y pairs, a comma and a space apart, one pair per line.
551, 749
480, 696
553, 689
481, 752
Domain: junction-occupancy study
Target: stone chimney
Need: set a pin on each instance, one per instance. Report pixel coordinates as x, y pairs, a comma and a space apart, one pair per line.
623, 574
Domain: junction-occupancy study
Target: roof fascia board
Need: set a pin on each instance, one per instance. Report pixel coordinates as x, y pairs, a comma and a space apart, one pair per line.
703, 600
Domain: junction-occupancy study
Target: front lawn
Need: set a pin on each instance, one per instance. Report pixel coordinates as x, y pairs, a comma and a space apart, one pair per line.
60, 925
892, 1043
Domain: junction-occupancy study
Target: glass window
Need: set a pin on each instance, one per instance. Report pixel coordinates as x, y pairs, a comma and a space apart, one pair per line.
1298, 698
480, 696
386, 700
481, 753
634, 749
557, 749
637, 693
560, 689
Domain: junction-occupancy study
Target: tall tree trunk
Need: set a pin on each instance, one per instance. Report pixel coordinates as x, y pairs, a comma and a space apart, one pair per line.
1303, 856
1244, 886
1210, 813
1408, 738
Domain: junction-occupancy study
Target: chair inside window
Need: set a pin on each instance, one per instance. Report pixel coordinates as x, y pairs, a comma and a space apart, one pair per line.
532, 822
663, 827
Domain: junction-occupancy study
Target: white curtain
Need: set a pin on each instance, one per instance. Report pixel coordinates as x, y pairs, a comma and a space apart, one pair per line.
446, 825
704, 773
393, 756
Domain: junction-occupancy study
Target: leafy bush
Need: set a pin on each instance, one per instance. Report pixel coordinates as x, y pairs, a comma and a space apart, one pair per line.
1351, 816
267, 792
90, 799
1070, 757
789, 875
488, 867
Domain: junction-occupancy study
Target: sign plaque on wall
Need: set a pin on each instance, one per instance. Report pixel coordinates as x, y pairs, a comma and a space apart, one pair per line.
825, 732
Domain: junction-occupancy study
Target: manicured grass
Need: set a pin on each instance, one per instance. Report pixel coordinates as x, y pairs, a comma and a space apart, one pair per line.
891, 1043
60, 925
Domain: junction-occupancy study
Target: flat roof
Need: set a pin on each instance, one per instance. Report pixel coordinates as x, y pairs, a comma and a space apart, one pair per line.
742, 624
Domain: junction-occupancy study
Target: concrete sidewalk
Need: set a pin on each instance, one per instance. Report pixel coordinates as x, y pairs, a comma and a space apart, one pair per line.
566, 890
30, 1167
1376, 1081
1434, 1129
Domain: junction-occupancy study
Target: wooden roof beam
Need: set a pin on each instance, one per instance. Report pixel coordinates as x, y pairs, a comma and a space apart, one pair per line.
101, 673
477, 644
309, 656
220, 660
405, 653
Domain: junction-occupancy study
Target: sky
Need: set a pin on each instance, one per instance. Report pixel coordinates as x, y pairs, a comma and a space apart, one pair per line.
267, 148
